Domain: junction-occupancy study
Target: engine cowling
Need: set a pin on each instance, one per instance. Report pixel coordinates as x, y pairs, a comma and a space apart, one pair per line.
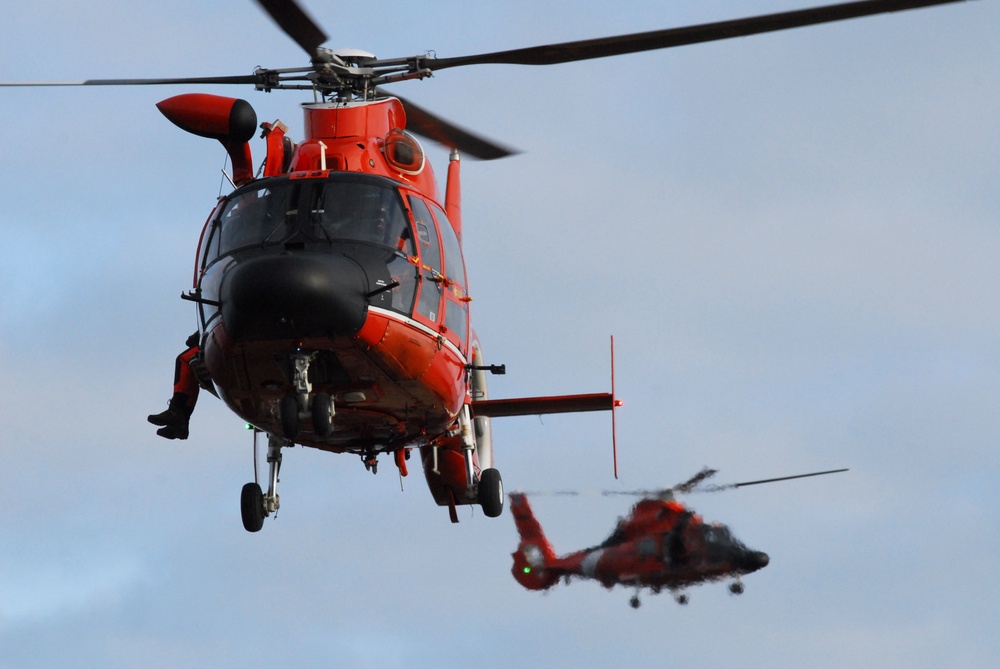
230, 120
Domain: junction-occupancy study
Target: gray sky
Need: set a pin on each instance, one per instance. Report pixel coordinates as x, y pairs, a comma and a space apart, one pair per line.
793, 238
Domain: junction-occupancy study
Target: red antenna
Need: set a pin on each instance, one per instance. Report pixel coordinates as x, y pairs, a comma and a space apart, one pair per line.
615, 403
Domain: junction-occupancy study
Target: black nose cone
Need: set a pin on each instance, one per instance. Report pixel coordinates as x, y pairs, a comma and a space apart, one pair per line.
293, 295
756, 560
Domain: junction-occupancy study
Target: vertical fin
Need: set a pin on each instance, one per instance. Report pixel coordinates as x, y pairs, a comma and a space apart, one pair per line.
615, 403
534, 555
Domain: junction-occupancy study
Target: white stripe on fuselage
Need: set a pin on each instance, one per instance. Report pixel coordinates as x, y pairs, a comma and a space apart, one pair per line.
589, 564
400, 318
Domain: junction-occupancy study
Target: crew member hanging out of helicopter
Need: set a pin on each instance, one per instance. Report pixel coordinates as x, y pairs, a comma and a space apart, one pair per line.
174, 420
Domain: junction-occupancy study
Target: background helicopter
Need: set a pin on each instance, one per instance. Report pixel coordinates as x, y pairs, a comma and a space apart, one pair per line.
815, 211
660, 545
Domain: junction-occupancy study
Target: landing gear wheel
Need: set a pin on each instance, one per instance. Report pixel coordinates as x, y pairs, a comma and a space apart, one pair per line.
322, 415
491, 492
736, 588
634, 602
252, 507
681, 599
290, 416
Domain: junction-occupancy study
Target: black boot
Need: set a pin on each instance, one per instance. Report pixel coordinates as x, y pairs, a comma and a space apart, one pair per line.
174, 431
174, 420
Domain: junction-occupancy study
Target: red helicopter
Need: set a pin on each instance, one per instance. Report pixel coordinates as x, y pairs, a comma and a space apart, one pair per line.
332, 294
660, 545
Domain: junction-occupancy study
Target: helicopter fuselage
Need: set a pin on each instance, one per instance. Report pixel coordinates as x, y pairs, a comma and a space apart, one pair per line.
660, 545
339, 274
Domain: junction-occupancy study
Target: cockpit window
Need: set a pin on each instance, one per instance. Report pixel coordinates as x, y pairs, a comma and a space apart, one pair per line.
358, 215
255, 217
360, 212
720, 544
283, 210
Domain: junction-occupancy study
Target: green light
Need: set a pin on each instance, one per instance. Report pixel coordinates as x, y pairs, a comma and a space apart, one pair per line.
527, 570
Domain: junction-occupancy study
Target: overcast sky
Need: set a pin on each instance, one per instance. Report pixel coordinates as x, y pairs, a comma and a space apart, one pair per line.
793, 238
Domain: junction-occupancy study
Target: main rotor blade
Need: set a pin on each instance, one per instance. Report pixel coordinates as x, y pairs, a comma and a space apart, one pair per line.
427, 124
298, 25
783, 478
692, 484
694, 481
551, 54
237, 79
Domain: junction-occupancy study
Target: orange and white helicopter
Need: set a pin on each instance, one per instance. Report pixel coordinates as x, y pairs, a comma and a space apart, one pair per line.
331, 290
661, 545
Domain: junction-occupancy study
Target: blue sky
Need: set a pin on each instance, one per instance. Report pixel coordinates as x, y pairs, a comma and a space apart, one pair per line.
793, 238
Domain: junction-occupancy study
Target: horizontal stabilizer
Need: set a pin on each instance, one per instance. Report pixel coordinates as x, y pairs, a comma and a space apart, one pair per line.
534, 406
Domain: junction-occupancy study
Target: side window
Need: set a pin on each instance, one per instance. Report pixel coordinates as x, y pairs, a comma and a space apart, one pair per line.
429, 297
402, 271
456, 311
456, 319
454, 267
208, 246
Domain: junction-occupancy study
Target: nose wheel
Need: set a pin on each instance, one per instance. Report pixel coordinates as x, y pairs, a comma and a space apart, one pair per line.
322, 414
303, 403
370, 459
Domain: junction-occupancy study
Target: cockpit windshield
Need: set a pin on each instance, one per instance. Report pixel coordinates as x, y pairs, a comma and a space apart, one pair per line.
254, 217
359, 212
720, 544
347, 207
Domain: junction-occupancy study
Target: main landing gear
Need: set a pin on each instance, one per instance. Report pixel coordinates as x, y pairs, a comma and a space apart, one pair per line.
490, 493
679, 597
489, 490
255, 506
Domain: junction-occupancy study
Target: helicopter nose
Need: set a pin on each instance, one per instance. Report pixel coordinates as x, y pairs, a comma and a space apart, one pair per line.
293, 295
757, 560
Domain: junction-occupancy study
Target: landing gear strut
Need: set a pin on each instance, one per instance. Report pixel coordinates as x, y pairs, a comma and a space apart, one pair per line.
488, 491
255, 506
